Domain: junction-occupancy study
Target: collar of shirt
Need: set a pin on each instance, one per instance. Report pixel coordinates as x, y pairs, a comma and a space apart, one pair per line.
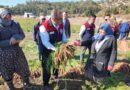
56, 26
99, 44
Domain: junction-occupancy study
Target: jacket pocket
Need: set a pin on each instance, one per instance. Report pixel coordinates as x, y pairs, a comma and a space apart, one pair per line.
99, 66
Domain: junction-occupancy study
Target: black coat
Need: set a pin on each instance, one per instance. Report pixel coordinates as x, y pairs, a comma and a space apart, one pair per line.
98, 61
12, 31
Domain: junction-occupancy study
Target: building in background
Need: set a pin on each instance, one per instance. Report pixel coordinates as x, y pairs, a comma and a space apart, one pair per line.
29, 15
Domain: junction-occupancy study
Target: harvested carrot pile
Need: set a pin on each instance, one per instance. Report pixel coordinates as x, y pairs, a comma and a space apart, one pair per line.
78, 69
121, 67
33, 74
64, 53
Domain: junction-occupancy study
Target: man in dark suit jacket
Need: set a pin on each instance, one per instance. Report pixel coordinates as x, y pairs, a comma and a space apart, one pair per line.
66, 23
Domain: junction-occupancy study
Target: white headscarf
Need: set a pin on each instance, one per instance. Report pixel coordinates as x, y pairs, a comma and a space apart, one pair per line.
3, 12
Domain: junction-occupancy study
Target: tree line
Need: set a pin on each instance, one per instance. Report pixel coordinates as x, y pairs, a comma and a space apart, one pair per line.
80, 8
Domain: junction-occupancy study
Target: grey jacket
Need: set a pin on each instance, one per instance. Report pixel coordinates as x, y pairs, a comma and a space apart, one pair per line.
107, 53
7, 32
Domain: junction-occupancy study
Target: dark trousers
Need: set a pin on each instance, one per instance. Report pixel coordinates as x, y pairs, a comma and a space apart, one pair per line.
127, 34
47, 70
83, 50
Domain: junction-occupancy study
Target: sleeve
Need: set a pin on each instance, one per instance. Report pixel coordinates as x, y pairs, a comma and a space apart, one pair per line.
69, 27
45, 38
93, 51
113, 55
127, 27
82, 30
124, 27
34, 33
20, 35
5, 43
64, 37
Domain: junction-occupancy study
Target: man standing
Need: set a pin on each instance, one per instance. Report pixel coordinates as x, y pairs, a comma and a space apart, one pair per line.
86, 34
107, 17
36, 27
42, 19
51, 32
66, 23
123, 29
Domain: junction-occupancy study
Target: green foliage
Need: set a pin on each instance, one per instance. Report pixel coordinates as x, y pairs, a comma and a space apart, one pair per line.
26, 23
115, 10
84, 87
46, 7
56, 88
50, 61
127, 55
75, 28
81, 8
31, 52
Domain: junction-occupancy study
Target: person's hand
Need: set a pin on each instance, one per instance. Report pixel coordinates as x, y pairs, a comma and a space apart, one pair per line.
77, 43
13, 41
109, 68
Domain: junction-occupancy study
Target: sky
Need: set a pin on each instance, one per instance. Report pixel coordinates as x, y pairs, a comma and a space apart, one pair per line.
15, 2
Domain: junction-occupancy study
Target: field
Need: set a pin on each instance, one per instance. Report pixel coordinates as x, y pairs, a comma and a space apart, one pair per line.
73, 81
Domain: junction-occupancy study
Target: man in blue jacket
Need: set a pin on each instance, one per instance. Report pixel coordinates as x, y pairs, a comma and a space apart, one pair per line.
123, 29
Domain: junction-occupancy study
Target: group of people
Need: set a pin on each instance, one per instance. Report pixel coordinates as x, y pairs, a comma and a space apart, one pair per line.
46, 34
102, 46
50, 32
102, 49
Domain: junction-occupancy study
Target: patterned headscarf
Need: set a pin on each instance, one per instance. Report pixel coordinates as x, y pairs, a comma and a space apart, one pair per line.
3, 12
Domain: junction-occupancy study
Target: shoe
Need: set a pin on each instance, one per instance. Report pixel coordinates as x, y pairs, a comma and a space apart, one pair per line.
47, 87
